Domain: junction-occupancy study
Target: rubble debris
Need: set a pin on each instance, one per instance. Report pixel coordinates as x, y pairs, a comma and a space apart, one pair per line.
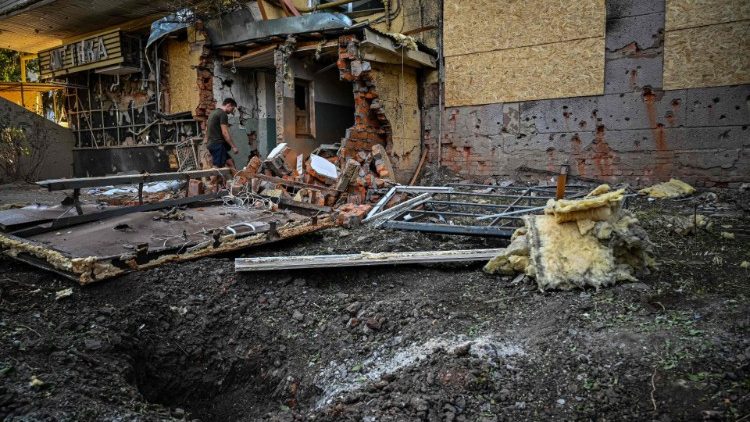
383, 164
688, 224
278, 160
351, 215
393, 211
361, 259
578, 243
62, 294
322, 169
351, 170
727, 235
672, 189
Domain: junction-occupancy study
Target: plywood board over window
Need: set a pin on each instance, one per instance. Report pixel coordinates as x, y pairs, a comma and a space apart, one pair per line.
696, 58
483, 25
569, 69
514, 50
707, 43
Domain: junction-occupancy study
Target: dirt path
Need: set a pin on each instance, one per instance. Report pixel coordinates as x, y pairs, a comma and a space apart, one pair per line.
196, 341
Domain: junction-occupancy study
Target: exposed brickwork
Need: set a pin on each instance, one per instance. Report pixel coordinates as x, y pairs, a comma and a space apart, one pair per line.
635, 132
205, 79
371, 126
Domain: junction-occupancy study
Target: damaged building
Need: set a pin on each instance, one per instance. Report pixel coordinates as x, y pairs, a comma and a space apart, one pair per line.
342, 103
454, 210
616, 90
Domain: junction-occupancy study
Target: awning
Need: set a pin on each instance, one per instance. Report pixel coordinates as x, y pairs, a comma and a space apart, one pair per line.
169, 24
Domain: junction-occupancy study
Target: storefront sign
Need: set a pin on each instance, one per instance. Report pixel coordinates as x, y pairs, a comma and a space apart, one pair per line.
99, 50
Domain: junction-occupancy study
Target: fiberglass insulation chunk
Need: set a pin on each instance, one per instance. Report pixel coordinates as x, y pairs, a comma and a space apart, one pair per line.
585, 242
672, 189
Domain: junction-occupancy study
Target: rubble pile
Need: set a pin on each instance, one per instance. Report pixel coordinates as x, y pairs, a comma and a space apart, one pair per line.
325, 178
577, 243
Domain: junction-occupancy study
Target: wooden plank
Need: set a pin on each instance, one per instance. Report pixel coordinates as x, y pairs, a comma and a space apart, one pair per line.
303, 205
129, 179
276, 263
419, 168
251, 54
374, 41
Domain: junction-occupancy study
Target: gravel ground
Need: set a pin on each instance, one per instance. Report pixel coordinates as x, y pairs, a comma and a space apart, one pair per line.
442, 342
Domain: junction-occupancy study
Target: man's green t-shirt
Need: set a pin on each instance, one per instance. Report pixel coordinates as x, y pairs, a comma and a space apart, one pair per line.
217, 118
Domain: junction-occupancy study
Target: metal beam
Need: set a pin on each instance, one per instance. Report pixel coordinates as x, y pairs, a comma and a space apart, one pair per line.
275, 263
448, 229
396, 209
129, 179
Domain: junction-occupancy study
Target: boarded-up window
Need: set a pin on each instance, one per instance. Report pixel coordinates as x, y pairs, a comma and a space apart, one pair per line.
514, 50
707, 43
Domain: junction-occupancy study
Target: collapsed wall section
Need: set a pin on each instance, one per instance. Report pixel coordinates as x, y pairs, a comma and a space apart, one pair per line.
386, 111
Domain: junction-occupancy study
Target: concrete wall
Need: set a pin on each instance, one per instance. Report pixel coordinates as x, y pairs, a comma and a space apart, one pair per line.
57, 142
243, 87
635, 131
93, 162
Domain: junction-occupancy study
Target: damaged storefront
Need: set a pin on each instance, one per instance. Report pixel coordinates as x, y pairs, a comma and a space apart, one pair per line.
119, 103
328, 121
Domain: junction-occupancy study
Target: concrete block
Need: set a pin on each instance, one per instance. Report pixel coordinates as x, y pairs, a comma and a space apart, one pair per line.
644, 30
511, 118
722, 106
724, 159
623, 8
642, 110
561, 115
475, 120
628, 74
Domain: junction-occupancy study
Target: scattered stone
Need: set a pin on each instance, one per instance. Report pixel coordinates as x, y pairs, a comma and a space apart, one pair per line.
462, 350
374, 324
353, 308
419, 404
36, 382
297, 315
353, 322
61, 294
92, 344
727, 235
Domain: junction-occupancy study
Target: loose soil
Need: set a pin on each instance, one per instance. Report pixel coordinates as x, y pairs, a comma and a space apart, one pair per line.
440, 343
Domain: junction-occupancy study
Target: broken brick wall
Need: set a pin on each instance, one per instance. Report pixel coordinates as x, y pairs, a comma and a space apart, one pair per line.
635, 131
205, 71
386, 110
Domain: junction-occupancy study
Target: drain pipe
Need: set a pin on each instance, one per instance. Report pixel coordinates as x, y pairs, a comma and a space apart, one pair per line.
441, 86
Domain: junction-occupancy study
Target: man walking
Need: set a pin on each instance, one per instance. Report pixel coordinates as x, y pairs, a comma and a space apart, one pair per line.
218, 139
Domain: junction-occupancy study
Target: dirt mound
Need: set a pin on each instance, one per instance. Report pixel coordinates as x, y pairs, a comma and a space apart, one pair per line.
196, 341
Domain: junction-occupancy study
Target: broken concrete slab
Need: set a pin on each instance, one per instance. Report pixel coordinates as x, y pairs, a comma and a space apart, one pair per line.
322, 169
